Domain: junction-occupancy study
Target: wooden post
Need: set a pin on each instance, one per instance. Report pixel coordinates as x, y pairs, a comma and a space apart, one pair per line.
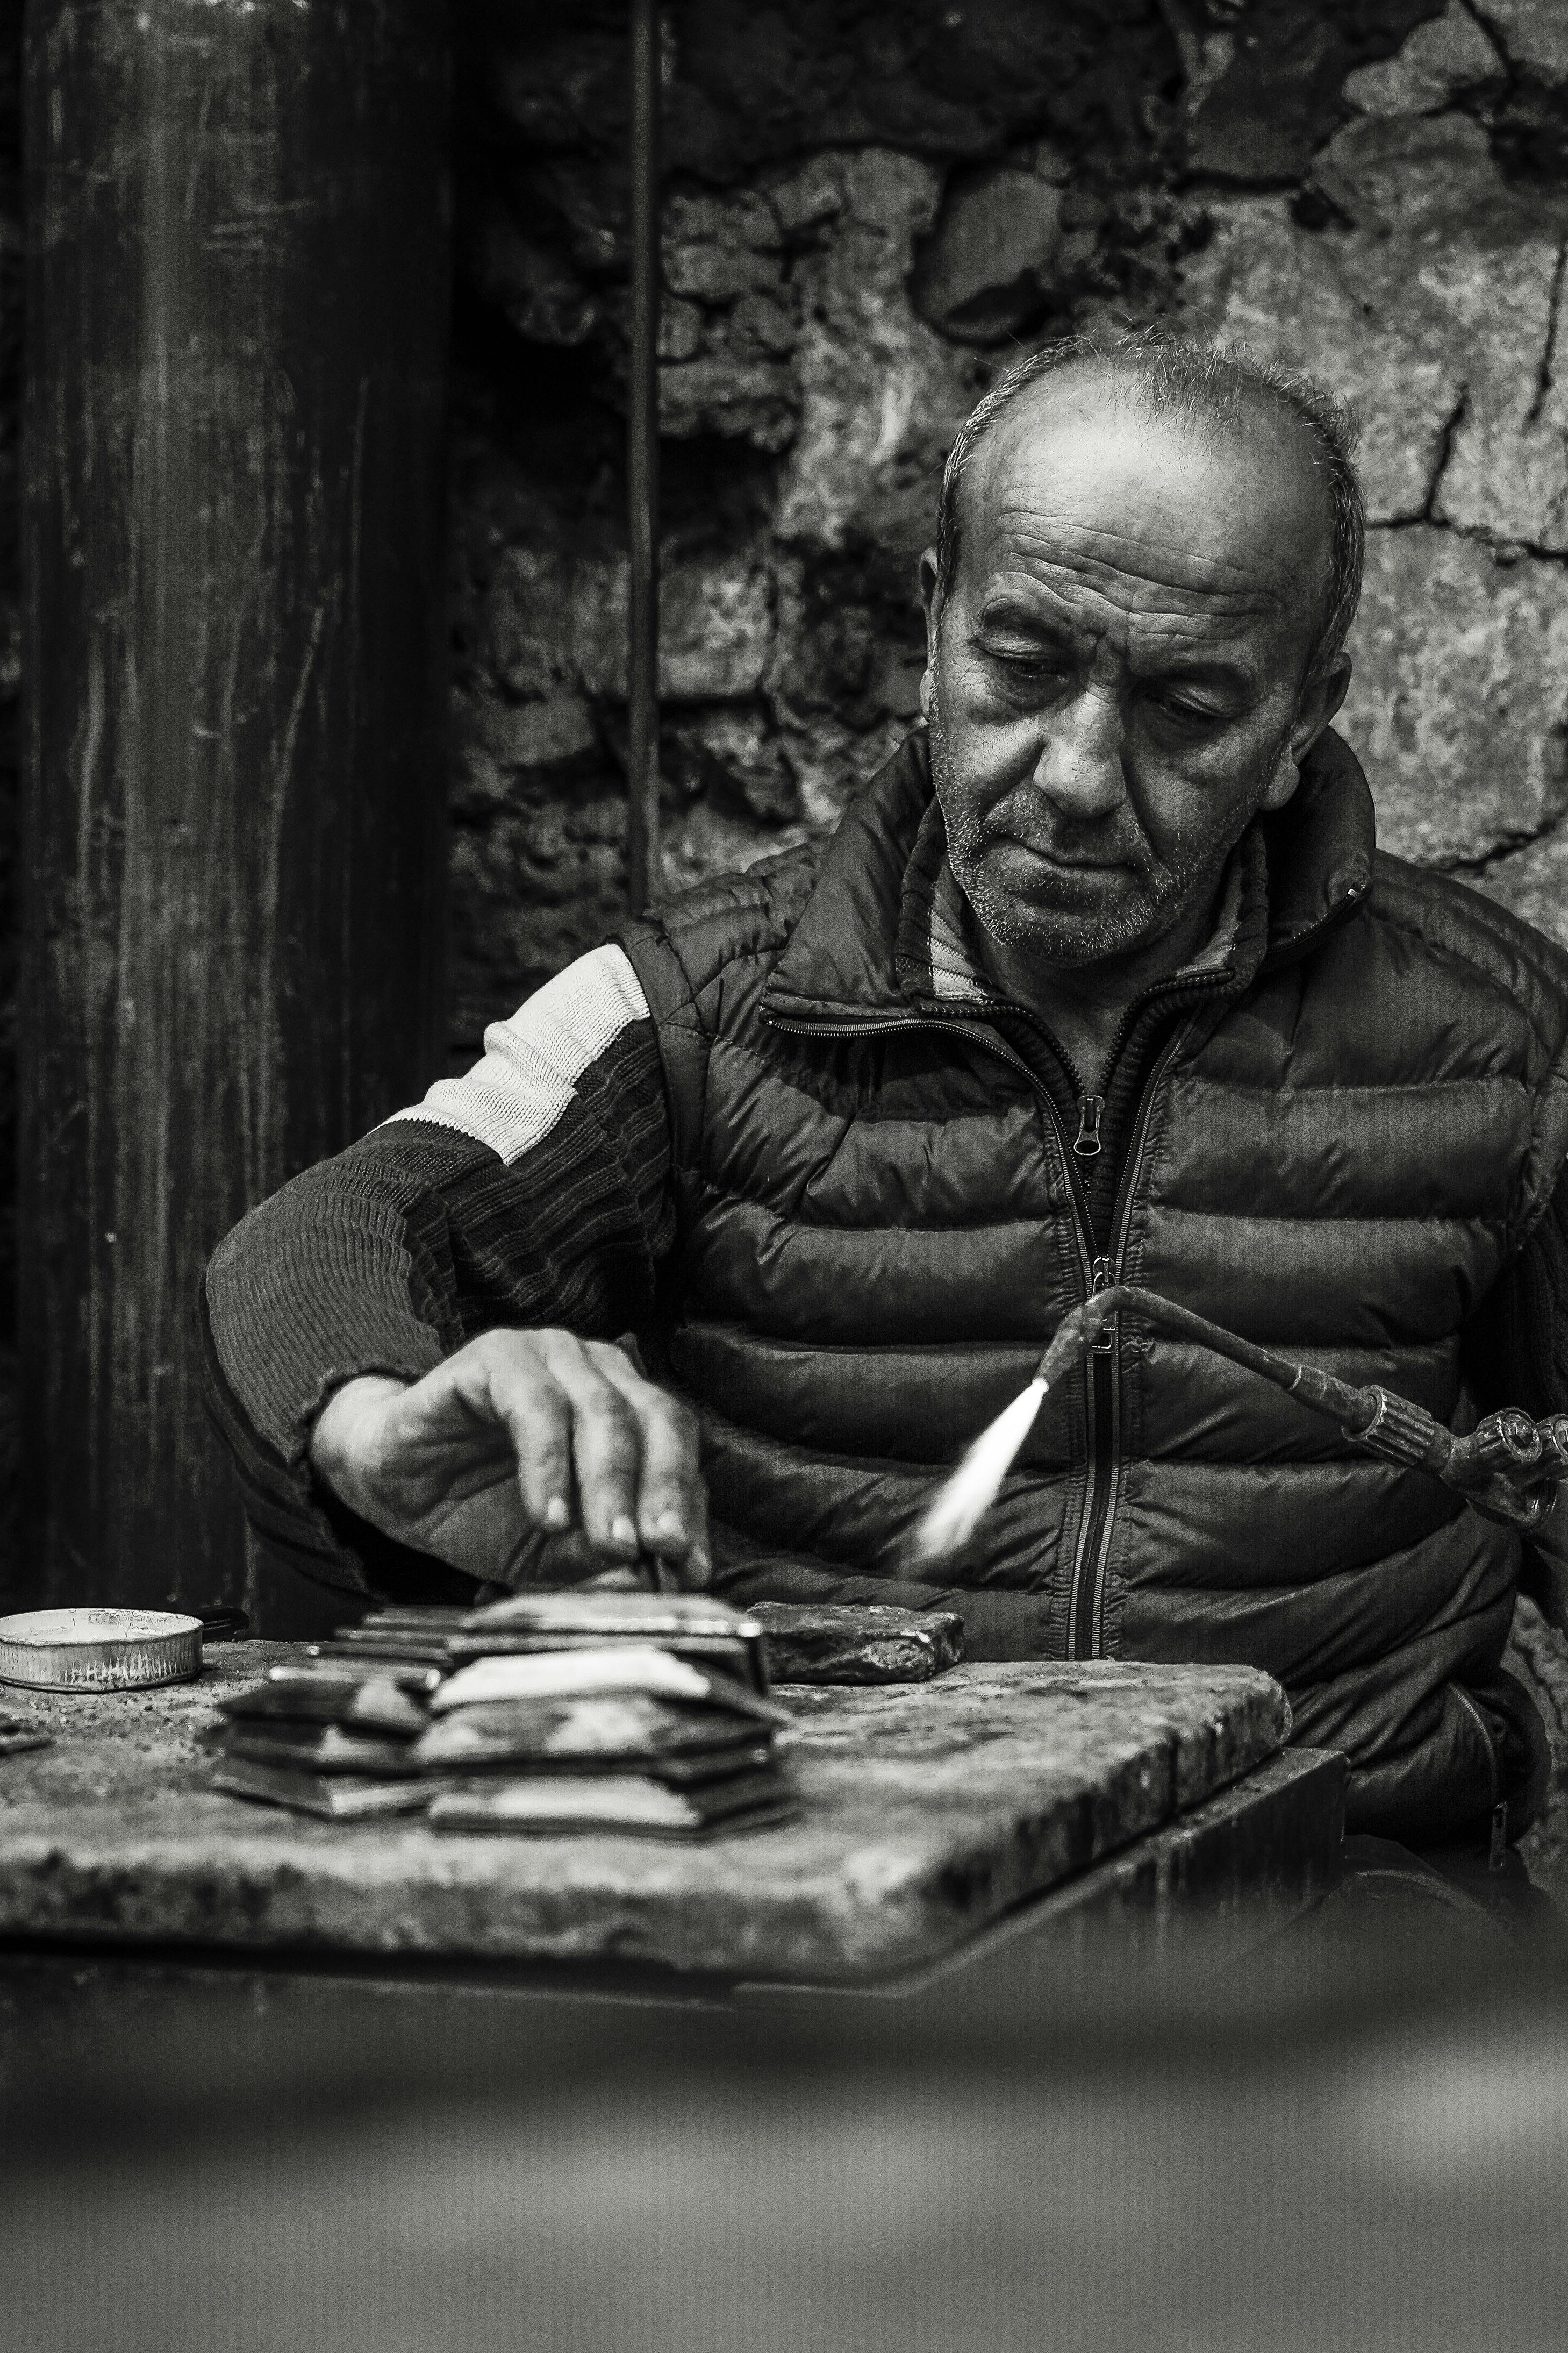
643, 867
232, 833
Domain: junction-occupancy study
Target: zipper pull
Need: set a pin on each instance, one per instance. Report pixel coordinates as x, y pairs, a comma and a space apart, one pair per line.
1104, 1276
1086, 1143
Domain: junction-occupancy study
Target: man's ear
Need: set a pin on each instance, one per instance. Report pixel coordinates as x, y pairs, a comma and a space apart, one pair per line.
931, 604
1319, 702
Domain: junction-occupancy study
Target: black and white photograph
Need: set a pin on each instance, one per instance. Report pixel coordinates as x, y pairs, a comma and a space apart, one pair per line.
784, 1175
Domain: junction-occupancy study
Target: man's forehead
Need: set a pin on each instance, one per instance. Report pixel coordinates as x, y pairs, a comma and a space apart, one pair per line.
1078, 474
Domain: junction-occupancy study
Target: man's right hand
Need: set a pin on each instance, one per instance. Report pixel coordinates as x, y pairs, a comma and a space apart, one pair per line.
527, 1457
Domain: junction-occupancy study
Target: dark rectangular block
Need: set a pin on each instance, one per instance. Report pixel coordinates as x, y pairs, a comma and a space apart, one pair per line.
843, 1642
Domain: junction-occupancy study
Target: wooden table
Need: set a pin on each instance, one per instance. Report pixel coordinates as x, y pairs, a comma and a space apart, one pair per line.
1001, 1821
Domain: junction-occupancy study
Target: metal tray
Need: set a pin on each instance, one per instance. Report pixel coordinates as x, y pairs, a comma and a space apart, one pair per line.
98, 1650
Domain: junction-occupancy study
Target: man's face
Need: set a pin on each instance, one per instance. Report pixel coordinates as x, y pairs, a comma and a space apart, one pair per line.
1115, 681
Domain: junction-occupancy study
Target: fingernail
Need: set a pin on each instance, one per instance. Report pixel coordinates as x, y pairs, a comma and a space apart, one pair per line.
698, 1562
558, 1512
624, 1532
669, 1523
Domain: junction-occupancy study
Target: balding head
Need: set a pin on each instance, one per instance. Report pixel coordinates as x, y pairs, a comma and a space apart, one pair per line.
1260, 413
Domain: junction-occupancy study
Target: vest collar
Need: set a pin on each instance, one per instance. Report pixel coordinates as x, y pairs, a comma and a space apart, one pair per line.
866, 950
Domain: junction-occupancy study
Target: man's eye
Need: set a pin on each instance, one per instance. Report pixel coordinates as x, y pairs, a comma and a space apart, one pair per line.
1030, 670
1189, 714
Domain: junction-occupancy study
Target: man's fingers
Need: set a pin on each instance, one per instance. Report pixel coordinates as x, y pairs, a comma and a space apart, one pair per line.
670, 1508
607, 1450
538, 1413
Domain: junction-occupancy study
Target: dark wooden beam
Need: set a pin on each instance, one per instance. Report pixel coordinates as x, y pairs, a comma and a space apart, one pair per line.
233, 835
643, 869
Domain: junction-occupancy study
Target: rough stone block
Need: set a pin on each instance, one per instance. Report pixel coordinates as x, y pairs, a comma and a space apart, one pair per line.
1434, 318
1533, 882
730, 394
881, 394
731, 753
983, 272
1446, 58
1534, 35
1457, 657
716, 626
718, 248
1264, 281
1275, 101
824, 1642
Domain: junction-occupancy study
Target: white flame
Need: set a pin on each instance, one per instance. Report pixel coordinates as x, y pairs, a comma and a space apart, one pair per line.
962, 1502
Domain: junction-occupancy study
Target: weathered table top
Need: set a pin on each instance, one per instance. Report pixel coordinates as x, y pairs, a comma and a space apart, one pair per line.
929, 1811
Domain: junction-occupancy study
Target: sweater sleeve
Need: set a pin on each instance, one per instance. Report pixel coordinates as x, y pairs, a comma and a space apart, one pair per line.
534, 1191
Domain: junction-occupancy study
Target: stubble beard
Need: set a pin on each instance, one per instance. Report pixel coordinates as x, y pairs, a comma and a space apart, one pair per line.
1161, 890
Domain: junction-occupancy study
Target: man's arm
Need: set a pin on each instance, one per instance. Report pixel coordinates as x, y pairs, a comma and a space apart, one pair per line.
376, 1433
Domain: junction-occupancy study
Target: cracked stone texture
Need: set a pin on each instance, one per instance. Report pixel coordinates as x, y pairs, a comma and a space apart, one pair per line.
928, 1811
1445, 60
1455, 654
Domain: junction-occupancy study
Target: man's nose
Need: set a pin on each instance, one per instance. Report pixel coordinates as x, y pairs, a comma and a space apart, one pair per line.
1080, 766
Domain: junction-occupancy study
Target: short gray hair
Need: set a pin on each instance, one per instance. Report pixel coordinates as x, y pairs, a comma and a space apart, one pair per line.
1218, 385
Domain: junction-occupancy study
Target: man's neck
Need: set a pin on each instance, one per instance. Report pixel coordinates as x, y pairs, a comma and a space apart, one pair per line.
1083, 1005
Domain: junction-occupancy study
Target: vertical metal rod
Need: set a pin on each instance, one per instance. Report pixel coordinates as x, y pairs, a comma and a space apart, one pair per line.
643, 870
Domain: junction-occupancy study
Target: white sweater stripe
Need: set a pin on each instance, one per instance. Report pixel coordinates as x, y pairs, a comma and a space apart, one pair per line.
528, 1074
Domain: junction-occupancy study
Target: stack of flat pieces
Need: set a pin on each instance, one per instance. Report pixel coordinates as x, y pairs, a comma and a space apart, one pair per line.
546, 1712
626, 1737
329, 1738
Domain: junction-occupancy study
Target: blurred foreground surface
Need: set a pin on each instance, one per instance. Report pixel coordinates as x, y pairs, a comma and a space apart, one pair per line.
1356, 2141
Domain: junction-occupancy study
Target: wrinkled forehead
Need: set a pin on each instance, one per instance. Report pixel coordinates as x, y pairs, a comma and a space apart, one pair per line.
1080, 476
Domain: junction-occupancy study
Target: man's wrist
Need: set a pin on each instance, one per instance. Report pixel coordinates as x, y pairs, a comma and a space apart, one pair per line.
338, 1450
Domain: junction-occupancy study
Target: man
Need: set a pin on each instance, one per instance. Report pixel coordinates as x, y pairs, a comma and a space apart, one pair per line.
1100, 979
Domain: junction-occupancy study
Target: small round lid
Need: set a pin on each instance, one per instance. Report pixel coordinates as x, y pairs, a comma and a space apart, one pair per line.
98, 1650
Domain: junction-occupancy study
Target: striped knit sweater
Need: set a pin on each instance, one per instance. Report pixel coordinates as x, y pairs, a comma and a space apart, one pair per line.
536, 1191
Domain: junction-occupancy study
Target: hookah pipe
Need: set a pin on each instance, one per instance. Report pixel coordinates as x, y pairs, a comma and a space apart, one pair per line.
1508, 1469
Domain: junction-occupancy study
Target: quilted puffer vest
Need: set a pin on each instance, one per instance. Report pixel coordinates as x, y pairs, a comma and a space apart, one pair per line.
1348, 1128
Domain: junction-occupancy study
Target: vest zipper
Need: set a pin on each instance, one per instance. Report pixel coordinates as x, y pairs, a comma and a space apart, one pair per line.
1086, 1143
1091, 1556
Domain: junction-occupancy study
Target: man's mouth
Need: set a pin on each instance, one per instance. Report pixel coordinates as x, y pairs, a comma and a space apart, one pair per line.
1059, 861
